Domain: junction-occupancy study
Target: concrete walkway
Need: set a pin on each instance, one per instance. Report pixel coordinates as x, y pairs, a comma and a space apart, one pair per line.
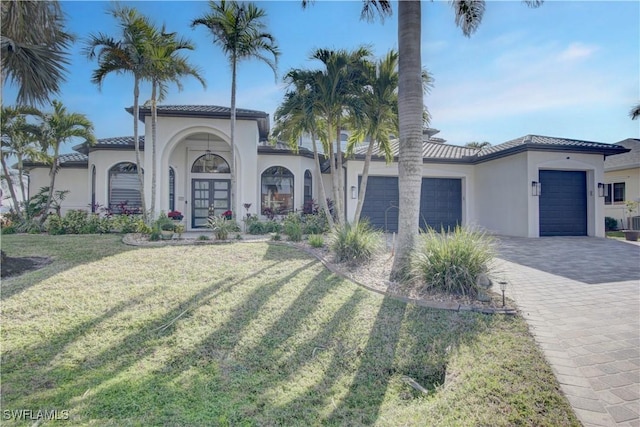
581, 298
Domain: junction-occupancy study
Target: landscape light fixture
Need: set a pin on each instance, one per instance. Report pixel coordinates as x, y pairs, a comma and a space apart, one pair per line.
536, 188
602, 189
503, 287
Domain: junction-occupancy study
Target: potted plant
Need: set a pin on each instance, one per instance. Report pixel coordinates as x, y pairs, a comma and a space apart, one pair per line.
631, 234
175, 215
167, 229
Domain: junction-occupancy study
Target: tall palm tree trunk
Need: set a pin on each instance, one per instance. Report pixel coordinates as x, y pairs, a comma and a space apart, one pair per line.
340, 204
234, 63
334, 178
363, 183
12, 190
136, 139
53, 171
23, 190
410, 108
323, 194
154, 135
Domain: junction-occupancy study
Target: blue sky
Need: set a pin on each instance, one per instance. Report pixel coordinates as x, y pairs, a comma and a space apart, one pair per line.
567, 69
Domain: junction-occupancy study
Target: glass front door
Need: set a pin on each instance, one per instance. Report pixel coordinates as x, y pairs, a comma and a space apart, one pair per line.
210, 197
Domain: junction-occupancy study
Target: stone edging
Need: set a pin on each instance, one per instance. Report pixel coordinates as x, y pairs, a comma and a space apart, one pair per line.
452, 306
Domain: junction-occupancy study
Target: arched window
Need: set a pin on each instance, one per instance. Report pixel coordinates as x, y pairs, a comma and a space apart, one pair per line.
210, 163
277, 191
124, 188
172, 189
93, 188
308, 190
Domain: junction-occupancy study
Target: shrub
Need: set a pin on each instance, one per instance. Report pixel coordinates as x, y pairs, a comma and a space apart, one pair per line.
54, 225
30, 225
451, 262
256, 227
272, 226
355, 243
222, 226
8, 229
315, 223
292, 226
203, 237
610, 224
154, 236
316, 240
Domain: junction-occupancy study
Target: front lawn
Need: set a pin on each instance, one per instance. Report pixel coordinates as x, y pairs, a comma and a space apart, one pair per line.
250, 334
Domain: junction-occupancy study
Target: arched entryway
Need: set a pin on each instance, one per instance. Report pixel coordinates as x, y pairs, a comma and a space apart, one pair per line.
210, 188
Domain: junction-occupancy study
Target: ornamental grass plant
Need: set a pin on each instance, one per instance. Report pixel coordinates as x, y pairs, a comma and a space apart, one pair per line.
452, 261
355, 243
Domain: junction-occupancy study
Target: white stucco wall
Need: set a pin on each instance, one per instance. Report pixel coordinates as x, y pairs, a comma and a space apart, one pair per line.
505, 204
502, 195
631, 179
177, 147
75, 180
592, 164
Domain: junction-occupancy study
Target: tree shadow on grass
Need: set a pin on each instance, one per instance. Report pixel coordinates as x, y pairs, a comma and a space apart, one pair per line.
61, 250
111, 400
60, 384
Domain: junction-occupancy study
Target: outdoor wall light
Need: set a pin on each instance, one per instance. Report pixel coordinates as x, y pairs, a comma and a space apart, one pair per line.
536, 188
354, 192
602, 189
503, 287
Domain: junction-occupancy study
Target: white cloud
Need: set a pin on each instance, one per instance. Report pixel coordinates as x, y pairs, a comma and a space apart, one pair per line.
577, 52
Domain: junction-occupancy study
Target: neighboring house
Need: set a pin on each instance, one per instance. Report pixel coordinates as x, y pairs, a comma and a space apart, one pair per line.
531, 186
622, 180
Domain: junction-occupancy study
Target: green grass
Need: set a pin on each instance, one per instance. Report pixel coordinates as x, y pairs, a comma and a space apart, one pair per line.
618, 234
250, 334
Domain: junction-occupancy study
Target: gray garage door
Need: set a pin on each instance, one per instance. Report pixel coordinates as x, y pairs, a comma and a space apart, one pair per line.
440, 203
563, 203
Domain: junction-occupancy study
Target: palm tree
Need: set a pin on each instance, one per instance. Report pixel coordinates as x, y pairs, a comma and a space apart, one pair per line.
56, 129
379, 117
165, 65
297, 116
468, 15
239, 30
128, 55
18, 141
478, 145
33, 48
339, 86
635, 112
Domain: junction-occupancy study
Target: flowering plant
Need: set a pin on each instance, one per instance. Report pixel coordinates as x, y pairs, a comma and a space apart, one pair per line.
175, 215
227, 214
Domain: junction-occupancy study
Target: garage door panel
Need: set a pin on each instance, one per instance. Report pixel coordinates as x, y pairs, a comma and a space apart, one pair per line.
440, 203
563, 203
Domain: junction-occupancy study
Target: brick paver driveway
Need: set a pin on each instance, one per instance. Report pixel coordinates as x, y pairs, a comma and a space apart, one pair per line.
581, 298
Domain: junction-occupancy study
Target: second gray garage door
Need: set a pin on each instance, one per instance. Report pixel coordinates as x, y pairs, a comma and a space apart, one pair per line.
563, 203
440, 203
